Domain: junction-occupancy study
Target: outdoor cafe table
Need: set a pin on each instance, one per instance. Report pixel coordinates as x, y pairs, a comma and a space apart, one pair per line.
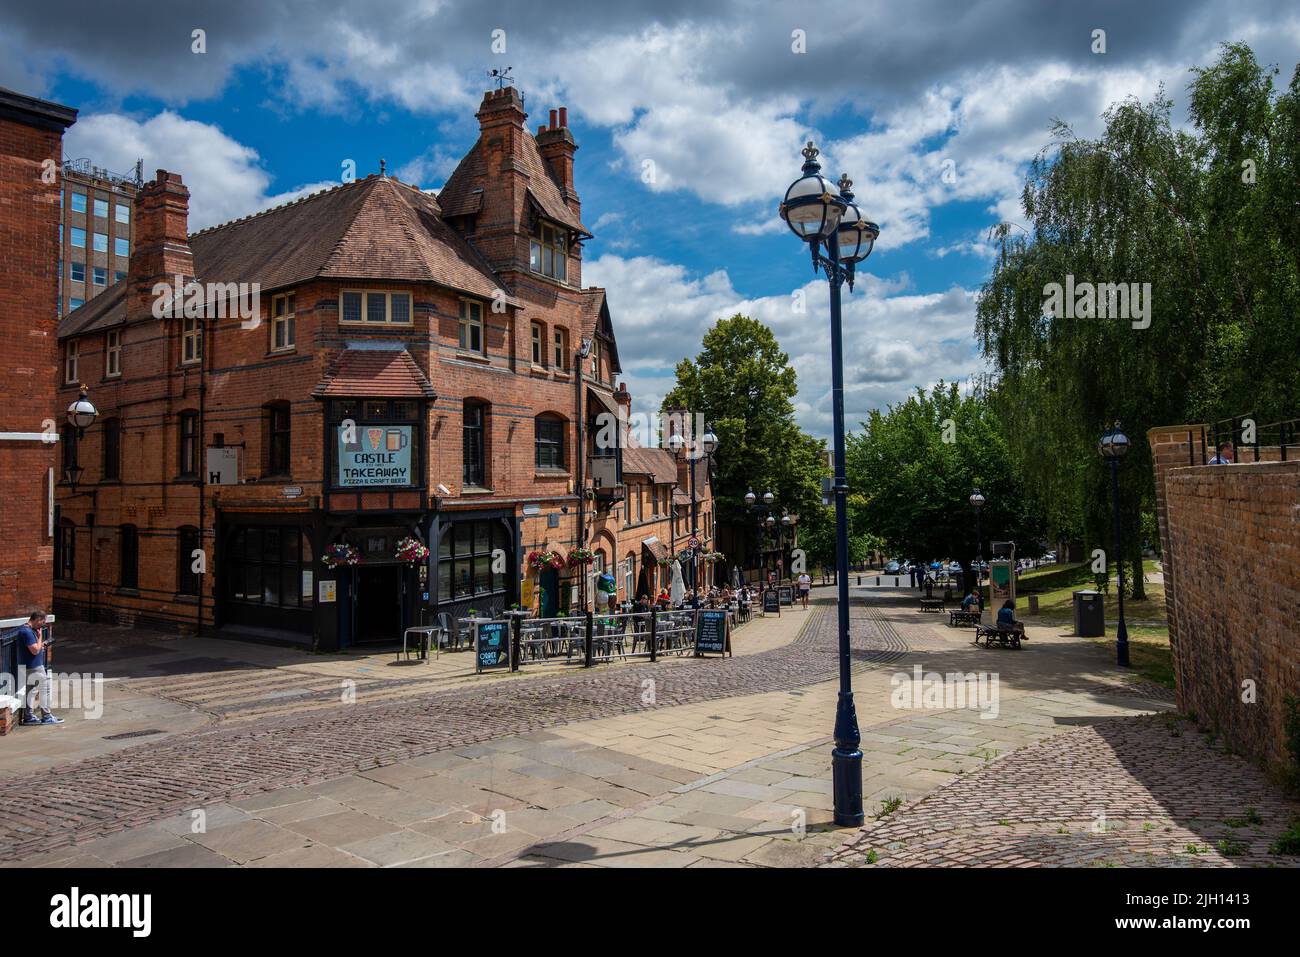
475, 622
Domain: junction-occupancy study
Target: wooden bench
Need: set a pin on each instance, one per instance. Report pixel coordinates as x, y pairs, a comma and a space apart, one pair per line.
1005, 636
932, 604
959, 617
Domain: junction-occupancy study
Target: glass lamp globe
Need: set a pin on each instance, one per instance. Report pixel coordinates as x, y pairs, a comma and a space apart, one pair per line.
750, 497
675, 442
709, 441
1114, 444
768, 498
856, 234
812, 206
977, 499
82, 412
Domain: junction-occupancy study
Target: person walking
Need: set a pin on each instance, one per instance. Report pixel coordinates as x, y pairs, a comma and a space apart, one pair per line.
32, 655
805, 586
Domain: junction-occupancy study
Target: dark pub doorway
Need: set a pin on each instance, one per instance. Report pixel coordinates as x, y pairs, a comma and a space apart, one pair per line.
379, 603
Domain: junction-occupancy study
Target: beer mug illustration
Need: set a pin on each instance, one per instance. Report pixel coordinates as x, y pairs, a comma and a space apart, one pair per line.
397, 440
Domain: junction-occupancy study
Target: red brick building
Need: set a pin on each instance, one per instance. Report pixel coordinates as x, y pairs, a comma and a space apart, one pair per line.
416, 366
31, 155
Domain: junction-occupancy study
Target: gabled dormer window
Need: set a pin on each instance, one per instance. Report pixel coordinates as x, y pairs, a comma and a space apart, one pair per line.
550, 252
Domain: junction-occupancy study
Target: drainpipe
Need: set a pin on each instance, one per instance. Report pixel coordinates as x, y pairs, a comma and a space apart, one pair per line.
584, 350
200, 453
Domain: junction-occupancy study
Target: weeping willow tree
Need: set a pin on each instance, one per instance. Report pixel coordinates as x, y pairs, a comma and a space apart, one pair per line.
1201, 225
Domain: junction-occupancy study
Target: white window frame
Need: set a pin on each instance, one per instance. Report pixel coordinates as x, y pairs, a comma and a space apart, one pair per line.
95, 207
284, 323
112, 353
538, 340
191, 340
72, 238
388, 320
122, 213
81, 196
470, 324
560, 342
550, 245
95, 238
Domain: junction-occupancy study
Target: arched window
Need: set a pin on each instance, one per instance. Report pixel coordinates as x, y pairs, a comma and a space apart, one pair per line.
549, 439
128, 556
473, 443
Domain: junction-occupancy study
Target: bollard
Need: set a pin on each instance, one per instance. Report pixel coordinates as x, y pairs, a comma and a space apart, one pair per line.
859, 580
517, 624
654, 640
895, 581
1033, 604
586, 651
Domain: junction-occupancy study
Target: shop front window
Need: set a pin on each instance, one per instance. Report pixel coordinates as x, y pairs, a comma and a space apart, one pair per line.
465, 565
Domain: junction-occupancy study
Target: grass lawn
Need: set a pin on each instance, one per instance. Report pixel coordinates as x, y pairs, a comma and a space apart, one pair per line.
1148, 630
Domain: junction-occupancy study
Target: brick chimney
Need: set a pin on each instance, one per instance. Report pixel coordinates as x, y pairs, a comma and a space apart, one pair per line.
162, 245
557, 146
504, 181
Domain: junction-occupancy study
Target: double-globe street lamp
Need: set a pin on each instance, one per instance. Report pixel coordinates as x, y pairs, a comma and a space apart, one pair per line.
765, 522
1113, 446
709, 443
977, 503
838, 238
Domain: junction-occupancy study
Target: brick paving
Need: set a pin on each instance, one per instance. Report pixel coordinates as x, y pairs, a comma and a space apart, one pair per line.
99, 796
1121, 792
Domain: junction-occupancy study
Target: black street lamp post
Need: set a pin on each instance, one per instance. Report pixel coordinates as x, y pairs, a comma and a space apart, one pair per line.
81, 415
824, 216
977, 503
1112, 446
765, 521
709, 443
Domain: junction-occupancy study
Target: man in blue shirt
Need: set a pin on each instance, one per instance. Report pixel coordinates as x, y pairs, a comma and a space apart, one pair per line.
31, 655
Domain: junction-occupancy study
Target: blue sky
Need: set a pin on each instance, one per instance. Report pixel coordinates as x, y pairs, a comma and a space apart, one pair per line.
719, 102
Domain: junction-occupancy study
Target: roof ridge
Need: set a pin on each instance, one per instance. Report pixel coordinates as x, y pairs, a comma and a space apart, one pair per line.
273, 209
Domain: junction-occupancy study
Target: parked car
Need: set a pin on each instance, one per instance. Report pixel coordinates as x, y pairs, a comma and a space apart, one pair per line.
1050, 557
893, 568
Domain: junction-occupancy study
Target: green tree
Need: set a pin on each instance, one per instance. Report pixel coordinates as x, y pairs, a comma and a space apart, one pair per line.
1207, 217
913, 468
744, 386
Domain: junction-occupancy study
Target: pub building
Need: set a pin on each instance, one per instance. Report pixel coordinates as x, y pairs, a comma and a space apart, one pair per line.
419, 371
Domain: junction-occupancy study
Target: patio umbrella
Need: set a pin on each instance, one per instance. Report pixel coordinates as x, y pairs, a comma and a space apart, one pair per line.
677, 590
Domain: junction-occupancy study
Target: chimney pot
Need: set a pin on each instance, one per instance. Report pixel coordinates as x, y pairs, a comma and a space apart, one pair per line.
541, 128
553, 116
564, 116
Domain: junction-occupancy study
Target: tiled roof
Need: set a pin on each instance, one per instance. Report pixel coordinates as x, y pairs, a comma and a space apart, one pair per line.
594, 305
106, 310
656, 463
376, 228
374, 372
458, 195
657, 549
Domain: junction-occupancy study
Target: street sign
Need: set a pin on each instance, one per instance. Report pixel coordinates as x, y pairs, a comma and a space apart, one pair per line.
712, 634
223, 465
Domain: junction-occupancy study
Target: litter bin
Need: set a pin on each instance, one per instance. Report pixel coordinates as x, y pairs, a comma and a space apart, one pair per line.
1089, 614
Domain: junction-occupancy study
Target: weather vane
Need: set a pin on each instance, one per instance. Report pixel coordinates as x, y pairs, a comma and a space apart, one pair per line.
503, 77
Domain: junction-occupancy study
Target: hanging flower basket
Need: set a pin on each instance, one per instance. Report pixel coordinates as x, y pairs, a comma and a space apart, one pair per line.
710, 557
580, 556
341, 554
664, 562
541, 561
411, 550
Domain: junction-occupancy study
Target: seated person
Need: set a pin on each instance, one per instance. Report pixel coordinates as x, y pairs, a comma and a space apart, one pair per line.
970, 602
1007, 617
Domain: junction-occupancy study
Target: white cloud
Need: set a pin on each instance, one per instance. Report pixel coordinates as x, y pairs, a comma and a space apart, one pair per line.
894, 338
225, 178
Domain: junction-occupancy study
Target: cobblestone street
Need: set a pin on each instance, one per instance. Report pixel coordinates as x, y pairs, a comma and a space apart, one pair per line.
728, 766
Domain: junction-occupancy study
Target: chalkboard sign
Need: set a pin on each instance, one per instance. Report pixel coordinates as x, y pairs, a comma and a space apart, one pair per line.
492, 647
786, 593
771, 602
711, 634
